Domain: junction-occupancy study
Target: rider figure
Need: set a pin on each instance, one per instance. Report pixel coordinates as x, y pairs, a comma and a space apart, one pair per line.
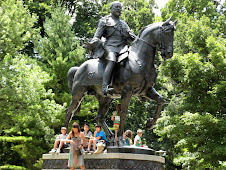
117, 33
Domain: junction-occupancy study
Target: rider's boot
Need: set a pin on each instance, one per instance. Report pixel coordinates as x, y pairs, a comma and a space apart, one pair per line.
105, 89
106, 77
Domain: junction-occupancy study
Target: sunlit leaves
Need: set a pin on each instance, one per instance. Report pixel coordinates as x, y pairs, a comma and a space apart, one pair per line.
16, 27
194, 117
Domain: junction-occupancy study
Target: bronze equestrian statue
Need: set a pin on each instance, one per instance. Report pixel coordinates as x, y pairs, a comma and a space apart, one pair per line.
117, 34
134, 75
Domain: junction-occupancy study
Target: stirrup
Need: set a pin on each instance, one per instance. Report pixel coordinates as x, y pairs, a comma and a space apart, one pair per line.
106, 90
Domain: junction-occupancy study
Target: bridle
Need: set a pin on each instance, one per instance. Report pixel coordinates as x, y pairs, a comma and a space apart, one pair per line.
150, 44
161, 45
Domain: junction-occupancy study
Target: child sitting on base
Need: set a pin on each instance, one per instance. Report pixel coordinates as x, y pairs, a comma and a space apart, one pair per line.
60, 141
137, 140
127, 136
87, 134
99, 135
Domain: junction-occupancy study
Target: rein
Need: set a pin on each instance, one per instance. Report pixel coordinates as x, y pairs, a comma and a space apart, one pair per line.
161, 46
150, 44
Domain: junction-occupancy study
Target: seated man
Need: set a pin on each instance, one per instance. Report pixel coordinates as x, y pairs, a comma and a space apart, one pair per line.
87, 134
98, 135
60, 141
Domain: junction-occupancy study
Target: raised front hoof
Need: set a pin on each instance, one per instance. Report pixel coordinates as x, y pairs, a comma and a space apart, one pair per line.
150, 123
121, 142
112, 141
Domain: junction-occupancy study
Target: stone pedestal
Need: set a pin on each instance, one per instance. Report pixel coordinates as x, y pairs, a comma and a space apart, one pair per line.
108, 161
131, 149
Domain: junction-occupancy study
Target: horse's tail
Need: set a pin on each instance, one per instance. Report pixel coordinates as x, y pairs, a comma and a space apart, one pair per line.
70, 76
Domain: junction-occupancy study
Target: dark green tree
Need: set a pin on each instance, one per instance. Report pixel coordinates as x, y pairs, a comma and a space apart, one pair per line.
193, 81
28, 112
59, 50
16, 27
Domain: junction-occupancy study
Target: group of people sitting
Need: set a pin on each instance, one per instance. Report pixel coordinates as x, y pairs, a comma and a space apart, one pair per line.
78, 141
85, 142
99, 136
90, 141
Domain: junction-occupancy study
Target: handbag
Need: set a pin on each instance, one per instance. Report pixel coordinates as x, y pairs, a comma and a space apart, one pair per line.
78, 152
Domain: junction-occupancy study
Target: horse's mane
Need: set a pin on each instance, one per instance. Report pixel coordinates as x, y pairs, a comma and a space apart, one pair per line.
151, 26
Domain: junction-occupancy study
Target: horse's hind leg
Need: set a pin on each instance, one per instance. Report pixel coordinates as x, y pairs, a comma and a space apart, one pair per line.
125, 100
104, 103
77, 95
154, 95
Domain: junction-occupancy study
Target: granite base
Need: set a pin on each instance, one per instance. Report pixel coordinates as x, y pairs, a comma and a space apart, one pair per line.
106, 161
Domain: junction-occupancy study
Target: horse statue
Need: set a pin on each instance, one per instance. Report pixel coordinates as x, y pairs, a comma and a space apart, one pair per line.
134, 76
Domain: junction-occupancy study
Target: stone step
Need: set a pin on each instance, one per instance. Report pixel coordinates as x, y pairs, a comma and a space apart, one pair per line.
107, 161
65, 150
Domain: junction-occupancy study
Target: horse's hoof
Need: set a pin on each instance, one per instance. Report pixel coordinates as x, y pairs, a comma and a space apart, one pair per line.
112, 141
121, 141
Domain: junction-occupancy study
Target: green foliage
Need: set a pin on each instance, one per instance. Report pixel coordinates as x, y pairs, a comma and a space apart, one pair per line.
87, 16
12, 167
192, 8
194, 82
87, 112
89, 106
16, 27
41, 9
33, 90
31, 113
198, 137
59, 50
138, 13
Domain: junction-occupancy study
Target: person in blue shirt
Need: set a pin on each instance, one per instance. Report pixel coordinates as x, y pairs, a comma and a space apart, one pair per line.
98, 135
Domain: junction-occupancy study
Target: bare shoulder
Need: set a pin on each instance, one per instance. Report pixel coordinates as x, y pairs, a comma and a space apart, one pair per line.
69, 135
82, 134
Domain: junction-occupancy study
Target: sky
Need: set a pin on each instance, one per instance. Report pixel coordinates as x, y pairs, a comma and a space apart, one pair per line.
161, 4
